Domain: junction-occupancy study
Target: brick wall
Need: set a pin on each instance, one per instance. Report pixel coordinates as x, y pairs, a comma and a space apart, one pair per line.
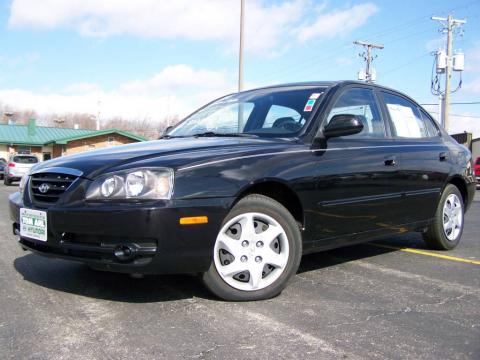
57, 151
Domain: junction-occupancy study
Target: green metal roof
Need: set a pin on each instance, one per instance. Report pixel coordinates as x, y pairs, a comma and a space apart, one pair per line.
19, 135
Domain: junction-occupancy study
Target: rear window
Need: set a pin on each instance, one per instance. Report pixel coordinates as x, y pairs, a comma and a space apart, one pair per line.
25, 159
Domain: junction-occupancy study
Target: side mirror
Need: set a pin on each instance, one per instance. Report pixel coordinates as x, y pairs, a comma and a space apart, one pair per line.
167, 129
343, 125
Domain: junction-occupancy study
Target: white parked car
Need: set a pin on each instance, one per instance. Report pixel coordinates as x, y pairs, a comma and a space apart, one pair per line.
17, 166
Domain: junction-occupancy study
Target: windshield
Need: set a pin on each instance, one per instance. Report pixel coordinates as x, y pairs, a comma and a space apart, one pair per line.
265, 112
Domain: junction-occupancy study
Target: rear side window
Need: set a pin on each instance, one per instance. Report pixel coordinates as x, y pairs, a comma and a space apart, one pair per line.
406, 118
25, 160
430, 124
478, 161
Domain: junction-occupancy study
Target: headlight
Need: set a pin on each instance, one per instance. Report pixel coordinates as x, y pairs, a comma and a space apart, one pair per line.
143, 183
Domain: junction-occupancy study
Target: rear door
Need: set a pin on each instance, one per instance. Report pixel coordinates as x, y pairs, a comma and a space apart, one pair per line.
424, 160
354, 192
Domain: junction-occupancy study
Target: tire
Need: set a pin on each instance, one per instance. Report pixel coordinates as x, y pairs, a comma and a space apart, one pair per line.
261, 258
6, 182
446, 230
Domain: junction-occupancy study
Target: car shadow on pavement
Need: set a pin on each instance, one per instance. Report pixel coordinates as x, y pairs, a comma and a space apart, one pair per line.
79, 279
361, 251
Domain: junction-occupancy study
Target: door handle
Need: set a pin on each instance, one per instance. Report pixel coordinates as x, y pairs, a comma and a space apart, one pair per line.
443, 156
390, 162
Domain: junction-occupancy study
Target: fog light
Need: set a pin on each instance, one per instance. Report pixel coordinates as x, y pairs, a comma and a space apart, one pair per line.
124, 252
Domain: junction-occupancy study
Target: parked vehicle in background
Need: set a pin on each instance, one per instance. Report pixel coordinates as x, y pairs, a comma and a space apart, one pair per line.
17, 166
3, 163
477, 170
245, 186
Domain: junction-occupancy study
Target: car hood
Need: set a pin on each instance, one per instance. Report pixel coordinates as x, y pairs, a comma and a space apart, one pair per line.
169, 152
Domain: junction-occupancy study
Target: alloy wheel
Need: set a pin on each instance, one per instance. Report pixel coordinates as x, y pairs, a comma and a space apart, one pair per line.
452, 217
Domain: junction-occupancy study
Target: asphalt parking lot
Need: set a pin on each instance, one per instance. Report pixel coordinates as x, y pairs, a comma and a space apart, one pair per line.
362, 302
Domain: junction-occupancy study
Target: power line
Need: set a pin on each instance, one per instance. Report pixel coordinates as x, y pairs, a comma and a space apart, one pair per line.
388, 72
458, 115
459, 103
308, 63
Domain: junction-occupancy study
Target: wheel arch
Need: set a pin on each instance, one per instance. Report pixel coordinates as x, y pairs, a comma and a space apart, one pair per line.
279, 191
461, 185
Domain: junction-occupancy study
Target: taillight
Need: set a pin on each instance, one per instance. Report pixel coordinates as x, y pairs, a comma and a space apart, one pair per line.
11, 164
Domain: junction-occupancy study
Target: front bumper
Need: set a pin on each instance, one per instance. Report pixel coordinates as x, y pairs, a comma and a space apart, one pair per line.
91, 233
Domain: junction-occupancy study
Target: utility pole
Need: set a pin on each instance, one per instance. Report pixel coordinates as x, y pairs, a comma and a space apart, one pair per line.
240, 65
368, 75
99, 104
450, 23
240, 55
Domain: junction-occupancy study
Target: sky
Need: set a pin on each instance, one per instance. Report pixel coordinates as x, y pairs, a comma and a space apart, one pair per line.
150, 59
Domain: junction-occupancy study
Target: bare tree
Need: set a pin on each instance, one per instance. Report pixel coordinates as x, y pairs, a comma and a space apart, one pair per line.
147, 127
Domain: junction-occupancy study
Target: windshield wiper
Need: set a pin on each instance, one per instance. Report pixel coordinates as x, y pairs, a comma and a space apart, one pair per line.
169, 137
215, 134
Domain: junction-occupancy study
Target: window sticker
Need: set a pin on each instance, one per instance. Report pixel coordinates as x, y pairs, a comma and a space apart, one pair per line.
315, 96
309, 105
404, 120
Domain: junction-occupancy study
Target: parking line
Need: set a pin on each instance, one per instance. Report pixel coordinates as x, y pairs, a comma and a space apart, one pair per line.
428, 253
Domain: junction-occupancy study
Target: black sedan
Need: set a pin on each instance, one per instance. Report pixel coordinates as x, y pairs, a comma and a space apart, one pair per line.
244, 186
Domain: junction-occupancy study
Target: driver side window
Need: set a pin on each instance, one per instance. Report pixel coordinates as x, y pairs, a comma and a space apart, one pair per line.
360, 102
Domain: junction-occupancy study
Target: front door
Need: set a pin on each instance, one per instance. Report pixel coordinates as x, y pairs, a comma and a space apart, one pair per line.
354, 193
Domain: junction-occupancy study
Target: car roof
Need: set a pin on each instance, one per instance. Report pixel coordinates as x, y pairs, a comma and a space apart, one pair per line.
329, 84
323, 84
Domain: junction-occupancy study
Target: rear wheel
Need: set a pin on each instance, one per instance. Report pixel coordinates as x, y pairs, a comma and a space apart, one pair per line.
257, 251
446, 230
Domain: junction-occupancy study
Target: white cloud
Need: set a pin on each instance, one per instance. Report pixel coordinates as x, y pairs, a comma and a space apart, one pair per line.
82, 87
175, 90
269, 27
177, 78
473, 86
465, 122
337, 22
472, 70
459, 121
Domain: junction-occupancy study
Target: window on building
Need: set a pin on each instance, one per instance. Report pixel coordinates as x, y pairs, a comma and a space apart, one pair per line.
110, 141
24, 150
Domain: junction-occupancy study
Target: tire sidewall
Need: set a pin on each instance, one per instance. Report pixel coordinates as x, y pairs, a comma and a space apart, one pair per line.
270, 207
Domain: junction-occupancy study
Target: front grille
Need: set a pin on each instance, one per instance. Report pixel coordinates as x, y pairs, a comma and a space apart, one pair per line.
48, 187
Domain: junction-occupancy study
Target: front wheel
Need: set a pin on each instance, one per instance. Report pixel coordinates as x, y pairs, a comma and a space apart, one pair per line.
6, 181
257, 251
447, 227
